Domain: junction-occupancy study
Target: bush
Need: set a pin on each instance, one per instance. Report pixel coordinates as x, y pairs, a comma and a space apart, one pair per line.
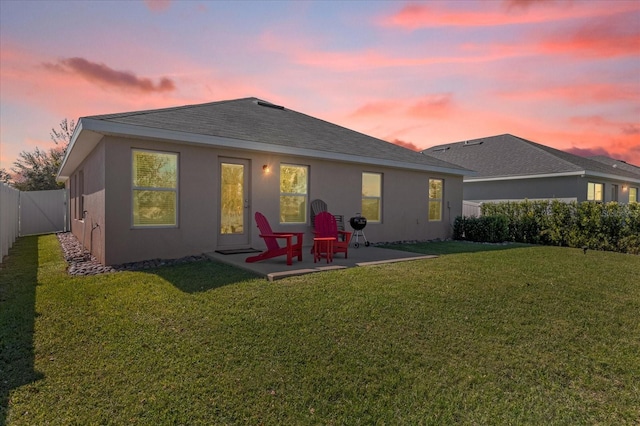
598, 226
492, 229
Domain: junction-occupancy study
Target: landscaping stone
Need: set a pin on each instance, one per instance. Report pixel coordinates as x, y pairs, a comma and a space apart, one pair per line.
81, 262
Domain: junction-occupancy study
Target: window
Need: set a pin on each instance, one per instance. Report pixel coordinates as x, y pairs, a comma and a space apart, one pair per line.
80, 195
633, 195
372, 196
155, 188
614, 192
435, 199
595, 191
73, 190
294, 184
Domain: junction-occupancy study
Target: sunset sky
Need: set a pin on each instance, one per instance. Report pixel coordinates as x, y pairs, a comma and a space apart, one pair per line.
561, 73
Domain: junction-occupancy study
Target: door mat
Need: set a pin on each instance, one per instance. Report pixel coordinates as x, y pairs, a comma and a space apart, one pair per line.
238, 251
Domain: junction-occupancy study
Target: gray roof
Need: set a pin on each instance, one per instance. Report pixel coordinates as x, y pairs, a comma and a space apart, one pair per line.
266, 127
617, 164
508, 156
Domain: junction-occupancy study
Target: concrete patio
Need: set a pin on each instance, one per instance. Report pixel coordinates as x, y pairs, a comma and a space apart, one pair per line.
277, 268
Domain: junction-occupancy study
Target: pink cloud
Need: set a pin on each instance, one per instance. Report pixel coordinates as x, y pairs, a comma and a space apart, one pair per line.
438, 105
631, 129
575, 93
375, 109
157, 5
588, 152
429, 106
414, 16
405, 144
106, 76
524, 4
606, 37
308, 53
601, 141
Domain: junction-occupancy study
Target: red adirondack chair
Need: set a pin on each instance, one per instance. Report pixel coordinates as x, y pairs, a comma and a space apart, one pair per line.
327, 226
290, 249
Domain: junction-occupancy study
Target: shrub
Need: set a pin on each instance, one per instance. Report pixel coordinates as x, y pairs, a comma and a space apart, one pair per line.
598, 226
492, 229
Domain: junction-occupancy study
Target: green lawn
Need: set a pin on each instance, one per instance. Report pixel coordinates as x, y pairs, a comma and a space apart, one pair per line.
522, 335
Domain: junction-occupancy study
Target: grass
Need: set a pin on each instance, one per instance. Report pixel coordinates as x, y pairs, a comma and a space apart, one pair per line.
525, 335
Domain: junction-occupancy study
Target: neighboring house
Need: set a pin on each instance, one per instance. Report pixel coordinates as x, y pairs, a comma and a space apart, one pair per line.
173, 182
512, 168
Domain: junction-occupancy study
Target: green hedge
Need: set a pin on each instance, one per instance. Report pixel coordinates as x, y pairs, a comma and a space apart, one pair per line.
598, 226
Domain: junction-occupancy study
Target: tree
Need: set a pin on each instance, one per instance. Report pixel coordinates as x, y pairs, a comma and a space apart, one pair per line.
37, 170
64, 135
5, 177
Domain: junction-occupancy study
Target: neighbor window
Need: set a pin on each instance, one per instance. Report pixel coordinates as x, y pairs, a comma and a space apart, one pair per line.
372, 196
633, 195
595, 191
435, 199
155, 188
294, 188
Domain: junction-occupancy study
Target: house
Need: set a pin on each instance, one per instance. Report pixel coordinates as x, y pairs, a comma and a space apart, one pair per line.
174, 182
513, 168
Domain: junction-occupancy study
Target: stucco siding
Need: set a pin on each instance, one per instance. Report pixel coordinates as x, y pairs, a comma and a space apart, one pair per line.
89, 231
537, 188
197, 183
404, 215
566, 188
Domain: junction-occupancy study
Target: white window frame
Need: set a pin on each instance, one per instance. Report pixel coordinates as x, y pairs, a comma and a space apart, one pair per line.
432, 200
633, 199
591, 191
283, 220
372, 197
135, 188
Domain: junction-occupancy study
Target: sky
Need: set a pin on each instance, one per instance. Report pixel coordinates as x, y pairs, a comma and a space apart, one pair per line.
561, 73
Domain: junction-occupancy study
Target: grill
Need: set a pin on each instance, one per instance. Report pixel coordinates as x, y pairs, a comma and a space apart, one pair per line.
358, 224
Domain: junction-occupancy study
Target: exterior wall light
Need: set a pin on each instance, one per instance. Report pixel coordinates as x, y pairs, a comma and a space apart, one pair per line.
624, 188
266, 169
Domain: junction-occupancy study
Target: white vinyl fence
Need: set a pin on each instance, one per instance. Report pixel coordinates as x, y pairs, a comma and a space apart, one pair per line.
9, 218
30, 213
42, 212
470, 209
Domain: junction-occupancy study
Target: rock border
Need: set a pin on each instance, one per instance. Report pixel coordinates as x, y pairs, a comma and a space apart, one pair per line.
82, 263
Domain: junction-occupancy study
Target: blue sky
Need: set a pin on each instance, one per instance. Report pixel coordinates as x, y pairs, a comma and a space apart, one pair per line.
562, 73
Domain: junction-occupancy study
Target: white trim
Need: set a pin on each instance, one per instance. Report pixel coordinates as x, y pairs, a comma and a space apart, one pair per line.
100, 127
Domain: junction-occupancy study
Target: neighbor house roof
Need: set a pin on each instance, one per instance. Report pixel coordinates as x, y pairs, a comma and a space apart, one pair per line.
252, 124
617, 164
510, 157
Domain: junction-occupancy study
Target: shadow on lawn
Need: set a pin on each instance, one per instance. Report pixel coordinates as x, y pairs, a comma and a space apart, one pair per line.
202, 276
18, 282
454, 247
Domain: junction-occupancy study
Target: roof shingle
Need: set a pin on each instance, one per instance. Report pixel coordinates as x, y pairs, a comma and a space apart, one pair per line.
511, 156
251, 119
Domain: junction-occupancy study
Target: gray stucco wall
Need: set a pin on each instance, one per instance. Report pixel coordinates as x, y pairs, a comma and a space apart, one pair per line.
90, 231
564, 187
542, 188
404, 215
